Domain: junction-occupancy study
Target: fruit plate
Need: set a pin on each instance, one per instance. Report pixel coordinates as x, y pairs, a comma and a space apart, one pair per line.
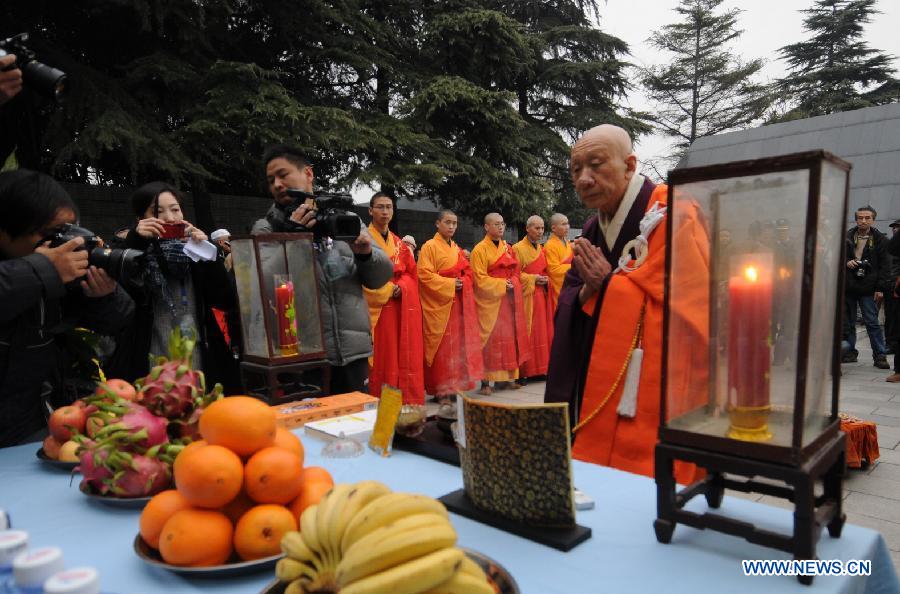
504, 582
152, 558
126, 502
60, 464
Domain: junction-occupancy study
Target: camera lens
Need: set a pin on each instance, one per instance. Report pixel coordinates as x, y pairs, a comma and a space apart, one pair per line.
118, 264
45, 79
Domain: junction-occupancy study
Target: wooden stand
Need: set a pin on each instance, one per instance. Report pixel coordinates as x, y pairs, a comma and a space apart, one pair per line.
285, 383
812, 511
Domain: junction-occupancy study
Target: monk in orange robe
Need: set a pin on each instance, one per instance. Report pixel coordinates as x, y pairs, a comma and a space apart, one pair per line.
558, 251
604, 312
450, 321
501, 309
535, 296
396, 313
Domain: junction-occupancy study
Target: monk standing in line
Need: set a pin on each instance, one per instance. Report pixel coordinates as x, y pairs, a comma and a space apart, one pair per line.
501, 311
450, 321
396, 313
605, 312
536, 298
558, 251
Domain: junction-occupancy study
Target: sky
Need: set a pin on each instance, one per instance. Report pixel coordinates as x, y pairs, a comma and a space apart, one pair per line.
767, 24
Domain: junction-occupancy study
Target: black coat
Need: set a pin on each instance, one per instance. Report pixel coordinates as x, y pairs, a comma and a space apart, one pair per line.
38, 308
877, 273
213, 287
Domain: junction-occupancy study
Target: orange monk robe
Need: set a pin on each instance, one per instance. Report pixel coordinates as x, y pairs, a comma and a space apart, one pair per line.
628, 443
538, 312
559, 260
501, 312
397, 352
450, 321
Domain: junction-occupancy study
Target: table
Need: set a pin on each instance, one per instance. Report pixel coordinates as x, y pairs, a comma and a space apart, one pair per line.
622, 555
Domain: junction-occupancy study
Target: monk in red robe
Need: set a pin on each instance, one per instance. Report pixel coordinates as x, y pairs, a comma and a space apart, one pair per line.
605, 312
501, 309
450, 321
536, 297
396, 313
558, 252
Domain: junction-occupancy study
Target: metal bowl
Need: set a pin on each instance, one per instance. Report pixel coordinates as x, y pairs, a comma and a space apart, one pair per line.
151, 557
124, 502
495, 571
60, 464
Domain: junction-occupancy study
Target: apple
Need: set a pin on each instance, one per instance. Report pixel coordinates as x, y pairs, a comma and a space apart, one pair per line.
68, 450
65, 421
117, 387
51, 447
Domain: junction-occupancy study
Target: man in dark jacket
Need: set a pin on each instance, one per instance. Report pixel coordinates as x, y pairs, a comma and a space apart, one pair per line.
866, 281
44, 291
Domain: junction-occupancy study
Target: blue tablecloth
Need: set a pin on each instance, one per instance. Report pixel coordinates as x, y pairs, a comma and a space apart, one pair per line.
622, 556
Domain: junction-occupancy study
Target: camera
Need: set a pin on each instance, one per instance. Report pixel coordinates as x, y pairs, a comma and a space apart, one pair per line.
334, 214
44, 79
119, 264
862, 266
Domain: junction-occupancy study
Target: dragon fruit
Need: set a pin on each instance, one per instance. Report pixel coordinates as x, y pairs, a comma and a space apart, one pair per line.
190, 427
144, 476
109, 470
172, 388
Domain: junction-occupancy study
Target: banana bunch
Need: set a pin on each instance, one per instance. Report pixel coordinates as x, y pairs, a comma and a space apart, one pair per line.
363, 539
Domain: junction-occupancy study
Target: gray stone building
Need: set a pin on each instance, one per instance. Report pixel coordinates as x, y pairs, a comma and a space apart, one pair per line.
868, 138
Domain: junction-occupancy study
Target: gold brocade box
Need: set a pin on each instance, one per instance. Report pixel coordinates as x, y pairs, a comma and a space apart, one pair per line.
751, 340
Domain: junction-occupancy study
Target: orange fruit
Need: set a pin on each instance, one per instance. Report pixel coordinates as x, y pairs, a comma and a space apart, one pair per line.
238, 506
317, 473
157, 511
242, 424
189, 447
209, 476
273, 475
196, 538
311, 493
285, 439
258, 533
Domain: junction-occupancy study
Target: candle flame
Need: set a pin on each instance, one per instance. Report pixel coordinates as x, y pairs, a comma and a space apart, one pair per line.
751, 274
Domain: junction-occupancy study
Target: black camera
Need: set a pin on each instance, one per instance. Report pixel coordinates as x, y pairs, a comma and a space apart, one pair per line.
119, 264
862, 266
44, 79
334, 214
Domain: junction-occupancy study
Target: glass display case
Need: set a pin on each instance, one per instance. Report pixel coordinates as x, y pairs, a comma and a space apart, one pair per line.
278, 296
752, 330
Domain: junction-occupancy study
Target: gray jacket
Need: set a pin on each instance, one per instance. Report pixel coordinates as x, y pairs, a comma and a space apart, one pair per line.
341, 275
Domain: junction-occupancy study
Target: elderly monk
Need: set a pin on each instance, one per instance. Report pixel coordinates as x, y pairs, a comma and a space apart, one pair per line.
501, 310
558, 251
450, 321
396, 313
535, 297
605, 312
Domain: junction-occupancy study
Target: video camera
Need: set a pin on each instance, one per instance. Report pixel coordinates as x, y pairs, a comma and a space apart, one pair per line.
119, 264
44, 79
334, 214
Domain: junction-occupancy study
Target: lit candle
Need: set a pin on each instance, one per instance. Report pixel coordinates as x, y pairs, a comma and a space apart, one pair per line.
286, 314
750, 347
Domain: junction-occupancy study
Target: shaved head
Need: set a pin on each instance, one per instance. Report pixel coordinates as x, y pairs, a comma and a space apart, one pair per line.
559, 226
602, 165
534, 220
614, 136
557, 218
444, 213
492, 217
494, 225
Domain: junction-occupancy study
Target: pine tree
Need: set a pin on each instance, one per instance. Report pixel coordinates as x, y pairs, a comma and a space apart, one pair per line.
835, 70
706, 88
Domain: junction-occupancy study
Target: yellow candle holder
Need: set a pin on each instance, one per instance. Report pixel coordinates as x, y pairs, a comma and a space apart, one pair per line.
750, 423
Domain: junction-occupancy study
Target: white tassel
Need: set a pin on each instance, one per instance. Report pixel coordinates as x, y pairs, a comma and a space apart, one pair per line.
628, 403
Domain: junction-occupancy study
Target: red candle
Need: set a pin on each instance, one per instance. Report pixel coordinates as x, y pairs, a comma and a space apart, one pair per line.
749, 328
284, 307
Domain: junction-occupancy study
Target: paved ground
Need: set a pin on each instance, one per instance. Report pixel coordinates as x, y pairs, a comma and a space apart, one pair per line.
871, 495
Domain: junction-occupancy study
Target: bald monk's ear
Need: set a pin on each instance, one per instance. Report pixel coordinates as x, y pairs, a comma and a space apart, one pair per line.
631, 164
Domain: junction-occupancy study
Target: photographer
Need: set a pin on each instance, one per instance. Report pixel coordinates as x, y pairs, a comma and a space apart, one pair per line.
344, 269
174, 292
866, 280
10, 80
42, 296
